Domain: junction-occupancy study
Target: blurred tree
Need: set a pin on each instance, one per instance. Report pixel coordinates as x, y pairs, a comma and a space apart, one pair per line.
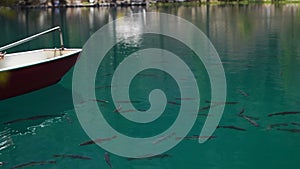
8, 2
60, 2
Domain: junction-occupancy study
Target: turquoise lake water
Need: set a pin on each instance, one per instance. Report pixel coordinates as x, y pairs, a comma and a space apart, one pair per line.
259, 47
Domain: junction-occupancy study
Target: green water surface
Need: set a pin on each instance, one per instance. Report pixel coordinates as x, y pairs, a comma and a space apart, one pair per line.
259, 46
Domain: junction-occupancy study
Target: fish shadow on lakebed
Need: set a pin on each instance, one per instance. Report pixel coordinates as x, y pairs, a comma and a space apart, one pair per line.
51, 100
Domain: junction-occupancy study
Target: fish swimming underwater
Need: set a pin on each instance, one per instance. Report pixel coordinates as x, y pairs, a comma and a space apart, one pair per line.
295, 124
174, 103
118, 109
207, 101
290, 130
74, 156
33, 163
98, 140
100, 100
243, 93
107, 159
195, 137
232, 127
254, 123
270, 126
215, 104
251, 117
34, 118
163, 138
204, 108
284, 113
241, 112
209, 106
276, 125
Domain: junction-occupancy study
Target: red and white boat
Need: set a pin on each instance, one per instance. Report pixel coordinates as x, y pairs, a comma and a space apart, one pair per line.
24, 72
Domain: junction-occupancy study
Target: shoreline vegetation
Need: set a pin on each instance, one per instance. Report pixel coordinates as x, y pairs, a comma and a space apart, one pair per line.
114, 3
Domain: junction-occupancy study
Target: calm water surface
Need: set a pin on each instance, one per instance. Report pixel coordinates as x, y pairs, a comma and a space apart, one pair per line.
259, 47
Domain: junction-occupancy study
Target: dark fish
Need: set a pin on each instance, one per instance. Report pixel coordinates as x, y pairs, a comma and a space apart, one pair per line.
100, 100
149, 157
251, 117
232, 127
127, 111
33, 163
296, 124
188, 98
163, 138
175, 103
284, 113
241, 112
108, 74
161, 156
204, 108
210, 106
243, 93
249, 120
118, 109
34, 118
195, 137
276, 125
72, 156
107, 159
290, 130
99, 140
207, 101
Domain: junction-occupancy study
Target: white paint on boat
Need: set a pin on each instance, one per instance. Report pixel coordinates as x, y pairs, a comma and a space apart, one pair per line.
29, 58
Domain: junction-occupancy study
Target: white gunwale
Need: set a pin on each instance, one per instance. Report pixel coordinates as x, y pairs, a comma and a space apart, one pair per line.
22, 56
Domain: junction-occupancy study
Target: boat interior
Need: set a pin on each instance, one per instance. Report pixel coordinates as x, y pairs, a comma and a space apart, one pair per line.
23, 59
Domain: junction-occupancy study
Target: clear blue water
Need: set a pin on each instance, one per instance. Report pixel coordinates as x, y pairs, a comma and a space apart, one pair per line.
258, 46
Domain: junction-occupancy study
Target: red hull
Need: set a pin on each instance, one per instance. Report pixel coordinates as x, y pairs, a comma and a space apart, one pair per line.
26, 79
